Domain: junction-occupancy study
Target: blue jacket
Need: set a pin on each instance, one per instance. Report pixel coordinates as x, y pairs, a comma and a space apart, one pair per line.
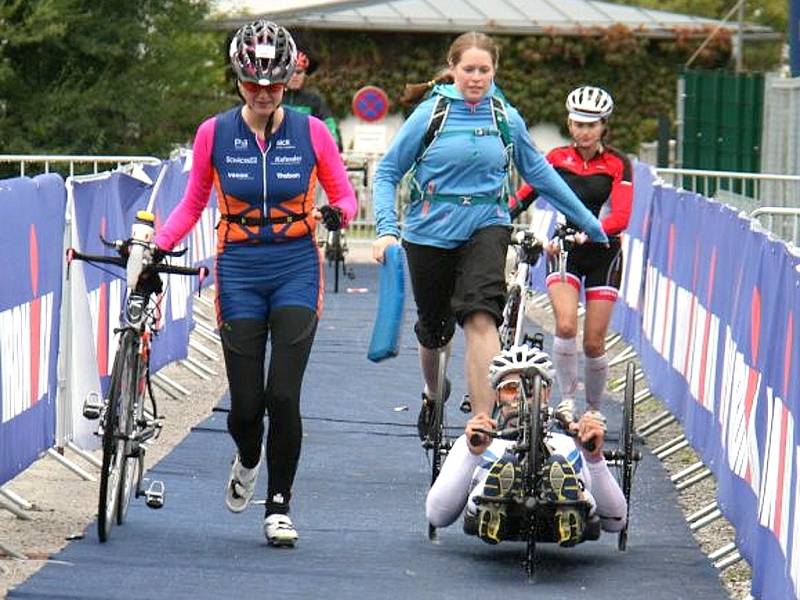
464, 160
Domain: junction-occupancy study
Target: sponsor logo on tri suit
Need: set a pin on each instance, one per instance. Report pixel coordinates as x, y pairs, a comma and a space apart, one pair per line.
282, 175
240, 144
294, 159
284, 144
236, 160
239, 176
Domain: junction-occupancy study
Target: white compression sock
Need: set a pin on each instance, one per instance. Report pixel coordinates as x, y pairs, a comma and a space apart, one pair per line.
595, 375
565, 360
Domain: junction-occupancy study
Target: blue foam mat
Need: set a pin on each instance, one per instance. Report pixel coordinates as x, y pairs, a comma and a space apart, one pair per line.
359, 507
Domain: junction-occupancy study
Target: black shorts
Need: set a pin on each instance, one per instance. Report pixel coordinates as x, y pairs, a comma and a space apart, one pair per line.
451, 284
597, 267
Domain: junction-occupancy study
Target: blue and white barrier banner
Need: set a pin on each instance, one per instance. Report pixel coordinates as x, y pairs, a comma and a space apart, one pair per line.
30, 299
171, 342
627, 317
719, 345
202, 240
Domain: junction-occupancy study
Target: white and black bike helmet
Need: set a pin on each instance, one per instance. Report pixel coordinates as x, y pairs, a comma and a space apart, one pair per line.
587, 104
519, 360
263, 52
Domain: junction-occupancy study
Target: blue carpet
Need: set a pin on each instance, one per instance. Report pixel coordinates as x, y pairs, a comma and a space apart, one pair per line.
359, 507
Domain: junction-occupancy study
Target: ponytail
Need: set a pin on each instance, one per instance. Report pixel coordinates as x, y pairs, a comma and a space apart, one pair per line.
413, 92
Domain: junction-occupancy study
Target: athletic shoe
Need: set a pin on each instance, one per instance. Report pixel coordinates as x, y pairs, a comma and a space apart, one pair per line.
280, 531
425, 417
241, 485
501, 482
568, 527
560, 484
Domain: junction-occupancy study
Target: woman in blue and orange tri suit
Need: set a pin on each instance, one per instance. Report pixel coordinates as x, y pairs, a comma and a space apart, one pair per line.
264, 162
601, 177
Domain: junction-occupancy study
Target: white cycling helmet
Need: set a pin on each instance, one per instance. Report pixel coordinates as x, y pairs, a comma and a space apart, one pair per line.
588, 104
263, 52
519, 360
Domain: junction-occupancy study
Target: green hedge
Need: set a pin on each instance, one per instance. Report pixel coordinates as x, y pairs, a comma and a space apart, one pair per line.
536, 72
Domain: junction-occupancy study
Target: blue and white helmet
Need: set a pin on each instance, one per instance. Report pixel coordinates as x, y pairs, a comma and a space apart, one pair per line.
588, 104
520, 360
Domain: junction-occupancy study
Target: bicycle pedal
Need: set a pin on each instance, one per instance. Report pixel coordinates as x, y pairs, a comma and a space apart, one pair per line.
92, 406
154, 495
466, 404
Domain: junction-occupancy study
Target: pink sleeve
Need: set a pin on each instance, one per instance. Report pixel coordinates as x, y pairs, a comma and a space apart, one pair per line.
201, 177
332, 174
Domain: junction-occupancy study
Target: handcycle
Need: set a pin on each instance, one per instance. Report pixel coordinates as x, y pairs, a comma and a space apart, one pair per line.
536, 418
125, 425
528, 509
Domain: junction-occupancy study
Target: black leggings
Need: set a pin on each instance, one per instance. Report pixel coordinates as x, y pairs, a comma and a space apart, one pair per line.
244, 344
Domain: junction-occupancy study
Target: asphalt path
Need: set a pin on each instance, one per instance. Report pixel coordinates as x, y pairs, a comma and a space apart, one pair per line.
359, 507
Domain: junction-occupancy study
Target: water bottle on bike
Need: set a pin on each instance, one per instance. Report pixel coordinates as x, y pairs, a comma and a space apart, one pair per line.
142, 233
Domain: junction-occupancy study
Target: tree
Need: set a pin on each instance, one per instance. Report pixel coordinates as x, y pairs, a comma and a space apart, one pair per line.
106, 77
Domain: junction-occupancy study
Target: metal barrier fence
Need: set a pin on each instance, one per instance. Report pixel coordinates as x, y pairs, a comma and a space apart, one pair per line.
44, 162
747, 192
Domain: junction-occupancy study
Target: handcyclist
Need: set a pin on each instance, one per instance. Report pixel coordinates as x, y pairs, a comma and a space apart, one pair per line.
489, 469
601, 176
264, 162
299, 97
456, 226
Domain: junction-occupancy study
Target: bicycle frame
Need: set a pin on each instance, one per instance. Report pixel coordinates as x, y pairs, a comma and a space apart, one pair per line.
529, 249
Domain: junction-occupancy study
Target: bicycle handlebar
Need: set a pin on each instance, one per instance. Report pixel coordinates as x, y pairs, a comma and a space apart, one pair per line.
122, 261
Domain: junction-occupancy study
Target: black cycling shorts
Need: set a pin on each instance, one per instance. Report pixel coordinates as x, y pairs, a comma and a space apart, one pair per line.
598, 268
451, 284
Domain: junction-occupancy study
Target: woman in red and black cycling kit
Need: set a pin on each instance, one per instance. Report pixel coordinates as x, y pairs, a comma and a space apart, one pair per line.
601, 177
264, 163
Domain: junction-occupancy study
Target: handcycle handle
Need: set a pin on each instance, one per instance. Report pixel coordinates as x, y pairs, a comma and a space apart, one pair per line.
503, 434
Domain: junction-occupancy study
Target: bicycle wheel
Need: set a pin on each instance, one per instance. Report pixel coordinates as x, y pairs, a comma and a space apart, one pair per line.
438, 443
113, 445
508, 328
626, 450
129, 474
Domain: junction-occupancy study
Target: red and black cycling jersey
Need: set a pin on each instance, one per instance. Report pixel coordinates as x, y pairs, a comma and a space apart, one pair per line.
604, 184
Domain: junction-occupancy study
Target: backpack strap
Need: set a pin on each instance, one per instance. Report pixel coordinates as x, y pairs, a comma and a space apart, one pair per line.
441, 109
500, 118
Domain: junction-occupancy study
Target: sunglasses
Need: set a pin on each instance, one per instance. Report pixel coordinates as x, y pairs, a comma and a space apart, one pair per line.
508, 391
254, 88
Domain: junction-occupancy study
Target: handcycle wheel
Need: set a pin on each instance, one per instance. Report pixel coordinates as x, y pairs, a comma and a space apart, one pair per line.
112, 475
129, 475
534, 439
626, 450
438, 444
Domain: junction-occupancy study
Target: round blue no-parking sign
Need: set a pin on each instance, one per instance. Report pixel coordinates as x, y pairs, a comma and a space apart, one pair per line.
370, 103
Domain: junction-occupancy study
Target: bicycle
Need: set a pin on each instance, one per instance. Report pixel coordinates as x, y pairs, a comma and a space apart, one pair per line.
124, 423
535, 419
529, 248
437, 441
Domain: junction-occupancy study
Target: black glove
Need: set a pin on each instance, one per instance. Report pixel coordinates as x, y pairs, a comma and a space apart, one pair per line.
157, 255
332, 217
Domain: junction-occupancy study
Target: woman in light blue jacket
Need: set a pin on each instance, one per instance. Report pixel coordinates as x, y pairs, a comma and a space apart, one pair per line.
459, 143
